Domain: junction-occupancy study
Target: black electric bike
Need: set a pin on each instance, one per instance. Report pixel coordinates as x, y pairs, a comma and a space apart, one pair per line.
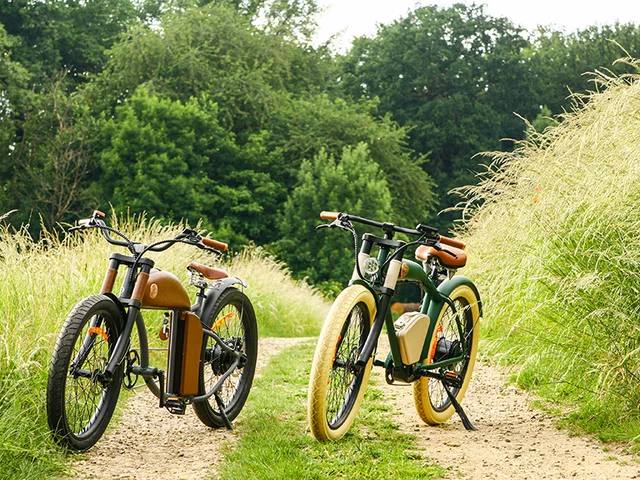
212, 343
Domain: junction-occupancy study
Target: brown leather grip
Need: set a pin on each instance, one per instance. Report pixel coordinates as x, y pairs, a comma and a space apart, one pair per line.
83, 221
215, 244
452, 242
328, 215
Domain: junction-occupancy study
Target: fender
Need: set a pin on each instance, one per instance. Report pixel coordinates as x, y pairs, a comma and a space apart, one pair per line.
123, 312
213, 293
447, 287
368, 287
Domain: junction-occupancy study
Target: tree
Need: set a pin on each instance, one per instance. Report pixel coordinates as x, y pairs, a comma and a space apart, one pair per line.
304, 127
562, 62
13, 100
53, 157
175, 161
353, 185
69, 36
453, 77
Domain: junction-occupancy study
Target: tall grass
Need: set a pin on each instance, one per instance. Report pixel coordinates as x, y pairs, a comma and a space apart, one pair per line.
554, 243
40, 282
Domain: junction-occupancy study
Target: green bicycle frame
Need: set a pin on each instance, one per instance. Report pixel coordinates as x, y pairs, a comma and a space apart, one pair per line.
383, 289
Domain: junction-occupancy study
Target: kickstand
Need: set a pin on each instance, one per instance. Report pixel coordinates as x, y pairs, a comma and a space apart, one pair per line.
223, 414
463, 416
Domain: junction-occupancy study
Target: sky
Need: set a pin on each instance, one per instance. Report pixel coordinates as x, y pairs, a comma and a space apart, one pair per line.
354, 18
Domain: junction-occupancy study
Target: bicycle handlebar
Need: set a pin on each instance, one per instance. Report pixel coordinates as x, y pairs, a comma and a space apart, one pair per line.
419, 231
209, 242
187, 236
452, 242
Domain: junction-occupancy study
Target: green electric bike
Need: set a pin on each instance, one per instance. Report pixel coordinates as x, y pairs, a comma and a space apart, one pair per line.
434, 348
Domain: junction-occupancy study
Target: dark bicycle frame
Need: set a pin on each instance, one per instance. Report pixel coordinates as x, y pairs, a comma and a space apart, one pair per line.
129, 302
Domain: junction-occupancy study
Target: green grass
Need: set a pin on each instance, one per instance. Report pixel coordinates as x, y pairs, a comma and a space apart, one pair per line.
274, 442
554, 245
43, 280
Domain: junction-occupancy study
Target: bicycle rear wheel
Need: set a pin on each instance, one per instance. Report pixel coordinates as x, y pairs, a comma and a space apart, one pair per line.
456, 334
335, 388
234, 321
80, 400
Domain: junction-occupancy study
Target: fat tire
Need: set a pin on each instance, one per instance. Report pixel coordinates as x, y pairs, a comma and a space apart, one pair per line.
436, 412
59, 409
320, 386
208, 411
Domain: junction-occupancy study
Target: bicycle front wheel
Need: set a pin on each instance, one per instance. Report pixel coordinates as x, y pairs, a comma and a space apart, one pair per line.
335, 388
80, 400
456, 335
234, 321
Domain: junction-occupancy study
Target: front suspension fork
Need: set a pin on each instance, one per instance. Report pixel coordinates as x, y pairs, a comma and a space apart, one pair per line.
374, 333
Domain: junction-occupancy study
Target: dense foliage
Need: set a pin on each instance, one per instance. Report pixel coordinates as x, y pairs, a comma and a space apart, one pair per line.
221, 110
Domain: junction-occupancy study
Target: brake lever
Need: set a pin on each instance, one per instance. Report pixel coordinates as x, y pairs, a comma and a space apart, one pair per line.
211, 250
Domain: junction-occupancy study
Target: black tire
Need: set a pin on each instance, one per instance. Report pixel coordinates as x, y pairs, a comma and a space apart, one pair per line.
79, 407
240, 331
335, 391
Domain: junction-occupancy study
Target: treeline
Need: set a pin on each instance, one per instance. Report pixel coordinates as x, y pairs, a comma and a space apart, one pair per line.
225, 112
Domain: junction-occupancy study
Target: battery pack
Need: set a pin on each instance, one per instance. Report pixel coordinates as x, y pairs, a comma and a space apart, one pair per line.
411, 330
184, 355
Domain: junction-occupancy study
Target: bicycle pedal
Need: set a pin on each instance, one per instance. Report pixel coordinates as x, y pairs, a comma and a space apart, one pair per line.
175, 405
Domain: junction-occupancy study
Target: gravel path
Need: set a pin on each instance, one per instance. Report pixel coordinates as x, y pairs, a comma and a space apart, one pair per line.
512, 441
150, 443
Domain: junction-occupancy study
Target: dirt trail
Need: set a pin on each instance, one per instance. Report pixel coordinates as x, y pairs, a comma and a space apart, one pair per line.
150, 443
512, 441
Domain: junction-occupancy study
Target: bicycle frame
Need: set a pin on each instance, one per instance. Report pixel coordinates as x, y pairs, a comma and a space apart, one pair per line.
383, 288
130, 304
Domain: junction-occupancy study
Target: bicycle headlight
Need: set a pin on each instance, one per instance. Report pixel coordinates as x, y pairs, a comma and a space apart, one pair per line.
371, 266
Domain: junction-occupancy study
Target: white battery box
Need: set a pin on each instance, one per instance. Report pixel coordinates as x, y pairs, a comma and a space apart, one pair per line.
411, 330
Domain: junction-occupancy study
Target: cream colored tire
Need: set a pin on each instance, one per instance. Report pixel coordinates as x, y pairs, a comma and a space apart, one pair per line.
432, 404
334, 398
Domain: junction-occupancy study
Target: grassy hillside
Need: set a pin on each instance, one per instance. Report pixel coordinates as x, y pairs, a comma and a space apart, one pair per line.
554, 244
41, 282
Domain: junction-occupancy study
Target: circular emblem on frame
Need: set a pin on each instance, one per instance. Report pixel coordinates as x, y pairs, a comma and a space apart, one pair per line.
404, 270
153, 290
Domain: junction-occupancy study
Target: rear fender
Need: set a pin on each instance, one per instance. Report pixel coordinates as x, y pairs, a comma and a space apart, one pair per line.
213, 293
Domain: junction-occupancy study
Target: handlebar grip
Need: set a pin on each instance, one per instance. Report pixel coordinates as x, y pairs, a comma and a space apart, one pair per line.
215, 244
452, 242
83, 221
328, 215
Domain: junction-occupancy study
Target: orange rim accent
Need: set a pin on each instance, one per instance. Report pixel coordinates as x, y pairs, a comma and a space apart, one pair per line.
335, 350
99, 331
435, 345
219, 323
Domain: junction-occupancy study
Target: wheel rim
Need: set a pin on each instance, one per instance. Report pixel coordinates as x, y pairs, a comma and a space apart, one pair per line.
448, 333
85, 395
229, 327
343, 383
